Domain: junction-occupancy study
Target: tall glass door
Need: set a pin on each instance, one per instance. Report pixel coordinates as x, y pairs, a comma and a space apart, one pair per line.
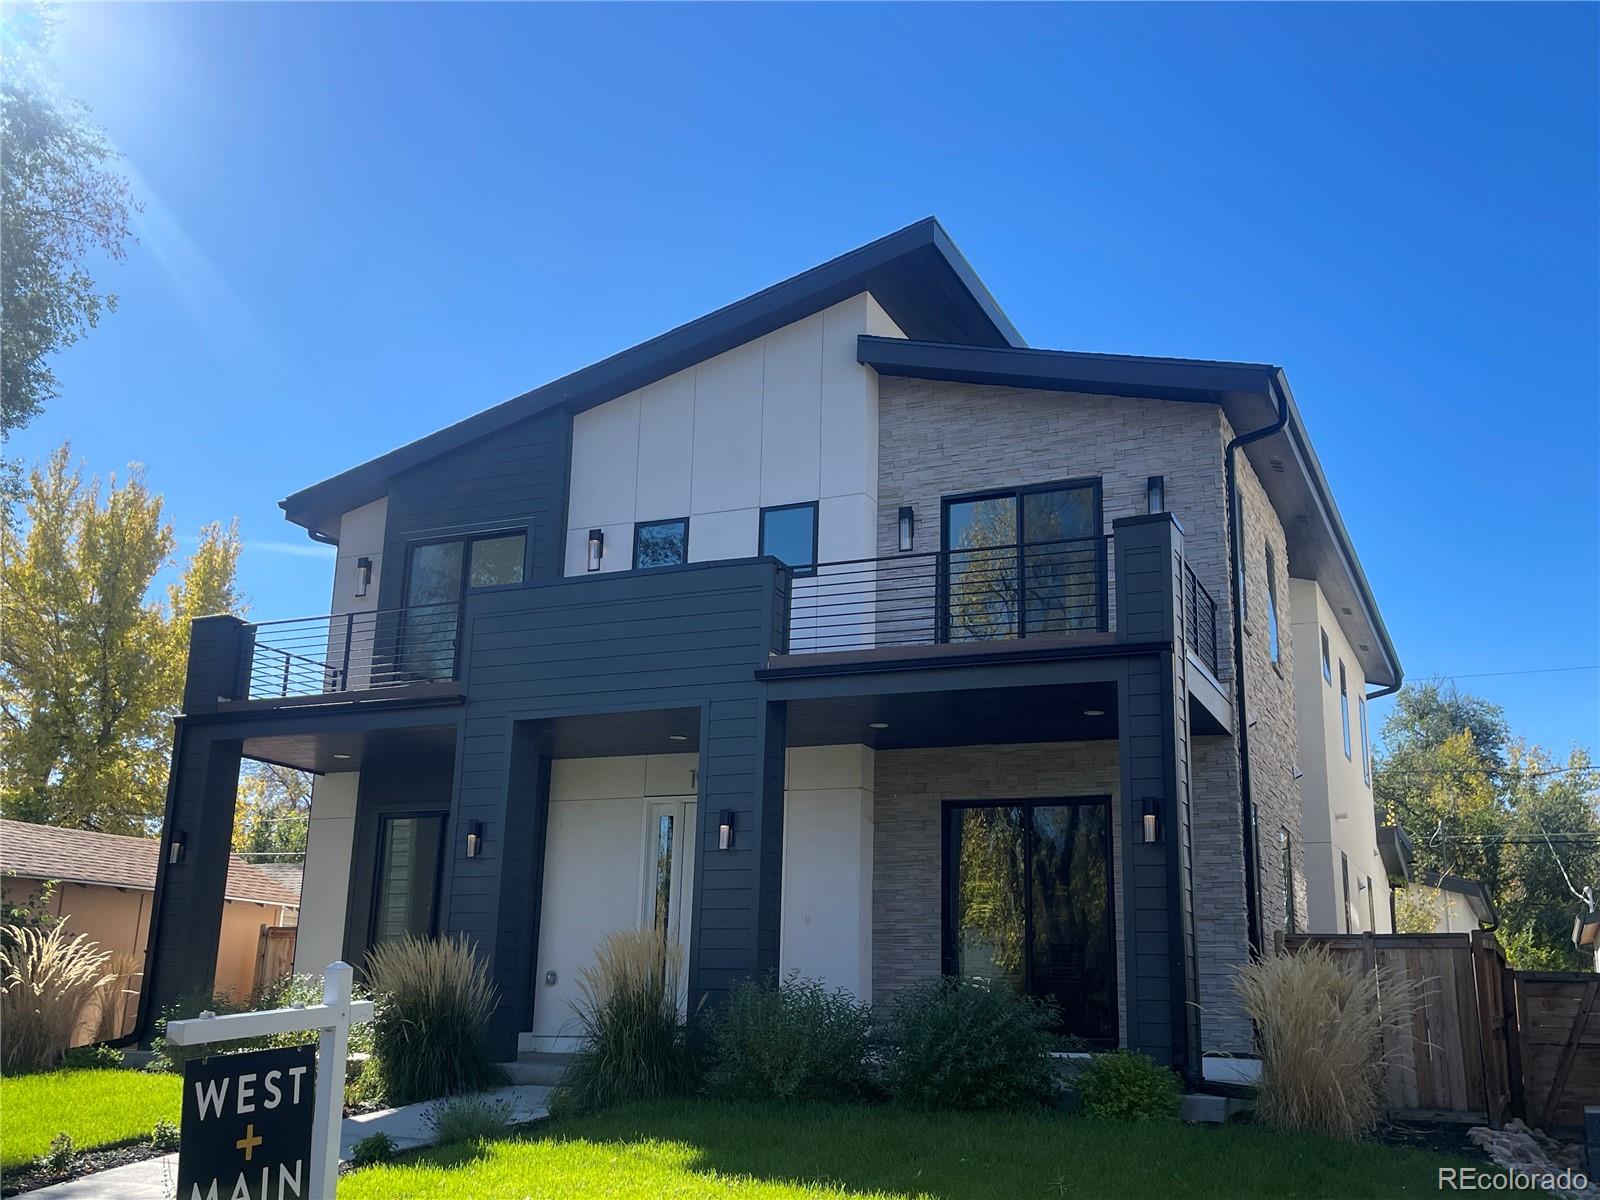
668, 871
1028, 904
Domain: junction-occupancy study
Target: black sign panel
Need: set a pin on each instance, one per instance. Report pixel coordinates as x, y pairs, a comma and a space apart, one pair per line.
246, 1131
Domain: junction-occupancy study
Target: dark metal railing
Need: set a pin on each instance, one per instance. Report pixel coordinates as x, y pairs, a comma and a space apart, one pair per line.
974, 594
350, 652
1199, 619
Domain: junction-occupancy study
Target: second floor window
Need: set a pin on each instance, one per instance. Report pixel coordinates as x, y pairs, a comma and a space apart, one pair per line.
1366, 750
1273, 648
789, 534
1349, 911
441, 571
1327, 662
660, 543
1344, 708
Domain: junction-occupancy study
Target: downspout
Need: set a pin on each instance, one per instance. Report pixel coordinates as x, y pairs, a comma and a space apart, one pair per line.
1252, 882
1370, 697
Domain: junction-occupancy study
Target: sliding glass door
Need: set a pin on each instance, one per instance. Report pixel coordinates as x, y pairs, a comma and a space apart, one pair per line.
1028, 904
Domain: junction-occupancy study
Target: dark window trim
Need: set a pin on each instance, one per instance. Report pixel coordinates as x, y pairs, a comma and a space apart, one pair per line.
946, 872
1095, 481
1327, 657
380, 853
1286, 850
1274, 618
816, 520
1349, 912
1344, 709
638, 525
466, 539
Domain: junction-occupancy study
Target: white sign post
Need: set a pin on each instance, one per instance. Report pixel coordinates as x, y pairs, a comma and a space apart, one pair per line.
333, 1018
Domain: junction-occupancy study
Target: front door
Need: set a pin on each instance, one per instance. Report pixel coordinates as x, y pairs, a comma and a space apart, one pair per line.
1027, 903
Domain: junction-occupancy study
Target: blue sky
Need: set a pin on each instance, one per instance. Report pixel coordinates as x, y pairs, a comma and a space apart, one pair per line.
364, 222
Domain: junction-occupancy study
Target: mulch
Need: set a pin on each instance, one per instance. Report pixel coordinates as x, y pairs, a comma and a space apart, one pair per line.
38, 1175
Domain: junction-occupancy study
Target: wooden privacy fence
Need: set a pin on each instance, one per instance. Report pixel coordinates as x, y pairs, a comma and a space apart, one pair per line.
1484, 1042
274, 954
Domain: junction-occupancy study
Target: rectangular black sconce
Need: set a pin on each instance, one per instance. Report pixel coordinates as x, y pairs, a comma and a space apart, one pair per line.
908, 526
474, 838
597, 548
1155, 490
1152, 821
363, 575
725, 829
175, 851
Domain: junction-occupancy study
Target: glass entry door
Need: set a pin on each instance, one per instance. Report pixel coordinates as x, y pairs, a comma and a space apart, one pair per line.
1027, 902
669, 871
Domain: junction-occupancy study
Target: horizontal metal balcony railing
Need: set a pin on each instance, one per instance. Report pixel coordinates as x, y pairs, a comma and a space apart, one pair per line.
974, 594
1199, 619
350, 652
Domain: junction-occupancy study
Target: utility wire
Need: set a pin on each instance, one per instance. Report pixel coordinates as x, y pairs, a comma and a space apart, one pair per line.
1496, 674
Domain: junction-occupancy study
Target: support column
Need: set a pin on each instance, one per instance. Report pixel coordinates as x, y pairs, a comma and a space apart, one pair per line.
1158, 890
737, 891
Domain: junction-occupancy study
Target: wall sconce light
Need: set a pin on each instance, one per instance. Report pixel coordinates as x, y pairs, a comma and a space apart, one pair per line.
725, 829
180, 843
908, 526
1586, 930
363, 575
1152, 821
474, 838
597, 548
1155, 492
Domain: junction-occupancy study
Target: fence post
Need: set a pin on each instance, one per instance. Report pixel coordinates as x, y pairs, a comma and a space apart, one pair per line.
332, 1046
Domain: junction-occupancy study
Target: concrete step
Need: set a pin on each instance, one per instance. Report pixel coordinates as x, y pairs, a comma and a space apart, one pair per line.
537, 1067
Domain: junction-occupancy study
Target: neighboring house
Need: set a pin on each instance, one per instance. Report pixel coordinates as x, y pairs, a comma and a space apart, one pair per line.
1458, 905
836, 632
106, 885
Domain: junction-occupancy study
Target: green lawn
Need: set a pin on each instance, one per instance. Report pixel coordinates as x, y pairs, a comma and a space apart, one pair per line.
98, 1108
749, 1152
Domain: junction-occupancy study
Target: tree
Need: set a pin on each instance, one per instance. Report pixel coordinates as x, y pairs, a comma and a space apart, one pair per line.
58, 205
1552, 853
273, 811
91, 670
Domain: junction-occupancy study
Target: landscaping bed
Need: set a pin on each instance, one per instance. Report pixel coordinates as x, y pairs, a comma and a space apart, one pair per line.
108, 1114
705, 1148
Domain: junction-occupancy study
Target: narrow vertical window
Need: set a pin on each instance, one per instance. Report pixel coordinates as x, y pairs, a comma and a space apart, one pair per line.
1344, 708
1286, 857
1327, 662
1272, 608
1155, 493
1372, 909
1366, 751
1349, 912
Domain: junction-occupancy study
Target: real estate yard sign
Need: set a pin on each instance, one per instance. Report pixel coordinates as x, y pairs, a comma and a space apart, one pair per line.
247, 1125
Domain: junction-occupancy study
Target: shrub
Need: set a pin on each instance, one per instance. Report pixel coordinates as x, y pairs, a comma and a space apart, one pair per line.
468, 1119
952, 1043
635, 1039
61, 1153
45, 980
93, 1057
164, 1135
430, 1029
373, 1150
1320, 1033
363, 1084
168, 1057
1125, 1085
109, 1003
794, 1041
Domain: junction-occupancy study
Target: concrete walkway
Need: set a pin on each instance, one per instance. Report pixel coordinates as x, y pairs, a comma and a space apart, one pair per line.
157, 1178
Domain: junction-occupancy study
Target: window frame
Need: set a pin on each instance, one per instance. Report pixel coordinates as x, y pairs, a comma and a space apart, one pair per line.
380, 854
1366, 746
1327, 658
1344, 709
1349, 912
466, 540
1286, 853
638, 525
1274, 632
761, 535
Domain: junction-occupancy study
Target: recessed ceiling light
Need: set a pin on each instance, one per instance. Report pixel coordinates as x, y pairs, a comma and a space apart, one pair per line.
341, 756
878, 725
677, 737
1094, 712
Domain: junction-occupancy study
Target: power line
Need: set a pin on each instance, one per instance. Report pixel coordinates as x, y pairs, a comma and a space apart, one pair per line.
1496, 674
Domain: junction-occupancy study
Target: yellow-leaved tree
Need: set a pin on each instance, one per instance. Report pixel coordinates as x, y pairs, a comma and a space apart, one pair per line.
91, 662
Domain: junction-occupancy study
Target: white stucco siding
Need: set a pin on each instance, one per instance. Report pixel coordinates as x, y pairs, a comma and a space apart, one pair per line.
1335, 790
325, 883
360, 536
788, 418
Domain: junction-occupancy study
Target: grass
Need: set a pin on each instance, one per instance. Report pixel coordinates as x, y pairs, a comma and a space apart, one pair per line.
97, 1107
755, 1152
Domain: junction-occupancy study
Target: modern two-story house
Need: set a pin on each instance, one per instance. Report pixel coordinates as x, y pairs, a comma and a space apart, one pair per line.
836, 632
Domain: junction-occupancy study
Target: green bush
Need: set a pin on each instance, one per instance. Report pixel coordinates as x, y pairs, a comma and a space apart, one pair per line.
952, 1043
61, 1153
1125, 1085
793, 1041
635, 1040
430, 1030
164, 1135
93, 1057
467, 1119
371, 1151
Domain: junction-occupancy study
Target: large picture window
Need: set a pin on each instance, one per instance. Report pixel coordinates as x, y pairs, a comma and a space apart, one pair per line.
1027, 902
410, 855
1024, 563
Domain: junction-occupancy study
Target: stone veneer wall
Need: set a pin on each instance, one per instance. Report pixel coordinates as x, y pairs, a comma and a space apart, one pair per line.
912, 786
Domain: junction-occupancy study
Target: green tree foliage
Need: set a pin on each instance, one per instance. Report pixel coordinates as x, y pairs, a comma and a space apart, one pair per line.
91, 668
59, 206
1482, 804
273, 811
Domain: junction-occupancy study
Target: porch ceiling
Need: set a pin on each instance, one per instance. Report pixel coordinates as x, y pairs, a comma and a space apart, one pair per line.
979, 717
326, 751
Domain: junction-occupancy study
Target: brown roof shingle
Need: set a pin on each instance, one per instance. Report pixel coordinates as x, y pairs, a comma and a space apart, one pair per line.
112, 860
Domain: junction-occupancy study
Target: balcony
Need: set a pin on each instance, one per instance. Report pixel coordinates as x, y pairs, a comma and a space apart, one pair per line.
349, 652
